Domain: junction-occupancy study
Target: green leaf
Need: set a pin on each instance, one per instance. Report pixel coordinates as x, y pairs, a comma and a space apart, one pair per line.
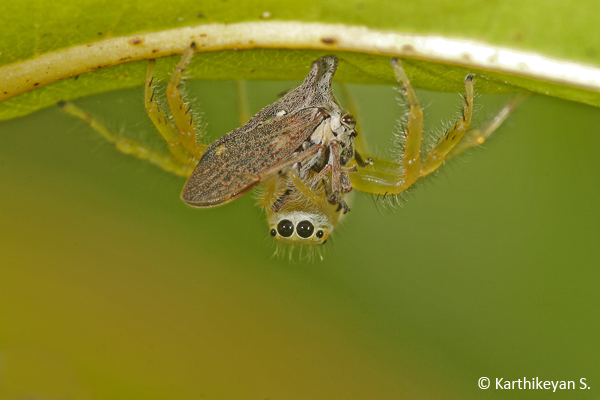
52, 51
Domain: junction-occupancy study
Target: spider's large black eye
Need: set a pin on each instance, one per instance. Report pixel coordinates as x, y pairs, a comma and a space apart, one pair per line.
285, 228
305, 229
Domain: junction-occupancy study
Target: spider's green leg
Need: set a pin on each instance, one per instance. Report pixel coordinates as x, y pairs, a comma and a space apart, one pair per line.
438, 154
304, 189
180, 111
162, 123
411, 159
383, 178
125, 145
391, 177
478, 136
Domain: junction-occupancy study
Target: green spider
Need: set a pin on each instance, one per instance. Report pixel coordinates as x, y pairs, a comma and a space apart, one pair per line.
300, 151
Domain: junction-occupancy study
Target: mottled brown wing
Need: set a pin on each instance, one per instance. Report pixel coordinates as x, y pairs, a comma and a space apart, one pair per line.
238, 161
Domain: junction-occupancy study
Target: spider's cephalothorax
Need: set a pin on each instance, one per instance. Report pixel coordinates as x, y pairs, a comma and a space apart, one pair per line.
297, 217
300, 150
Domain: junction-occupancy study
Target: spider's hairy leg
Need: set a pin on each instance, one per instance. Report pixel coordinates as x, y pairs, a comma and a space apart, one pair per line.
162, 123
411, 159
304, 189
449, 140
180, 111
380, 178
125, 145
478, 136
386, 177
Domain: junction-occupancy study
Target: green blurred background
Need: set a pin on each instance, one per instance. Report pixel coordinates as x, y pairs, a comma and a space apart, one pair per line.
111, 288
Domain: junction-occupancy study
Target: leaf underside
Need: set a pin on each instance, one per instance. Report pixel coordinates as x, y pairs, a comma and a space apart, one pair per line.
27, 31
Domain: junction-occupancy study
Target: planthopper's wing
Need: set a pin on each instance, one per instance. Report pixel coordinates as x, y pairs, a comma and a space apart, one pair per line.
240, 160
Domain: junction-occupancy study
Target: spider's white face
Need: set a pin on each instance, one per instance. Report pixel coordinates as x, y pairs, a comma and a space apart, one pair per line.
300, 227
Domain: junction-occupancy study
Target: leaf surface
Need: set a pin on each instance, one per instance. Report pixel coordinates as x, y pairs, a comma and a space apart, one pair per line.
47, 48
